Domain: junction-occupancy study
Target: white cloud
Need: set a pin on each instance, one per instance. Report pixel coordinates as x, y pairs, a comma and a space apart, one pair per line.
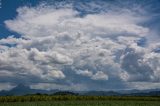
55, 74
84, 73
153, 61
100, 75
24, 63
31, 22
98, 46
143, 85
6, 86
50, 86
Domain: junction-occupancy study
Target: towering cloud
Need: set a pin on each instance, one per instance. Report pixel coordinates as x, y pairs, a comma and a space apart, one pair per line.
65, 46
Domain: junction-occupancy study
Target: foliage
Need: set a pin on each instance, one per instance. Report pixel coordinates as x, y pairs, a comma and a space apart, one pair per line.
84, 103
39, 97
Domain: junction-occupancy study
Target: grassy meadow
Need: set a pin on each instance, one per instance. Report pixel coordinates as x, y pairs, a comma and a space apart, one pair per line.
47, 100
84, 103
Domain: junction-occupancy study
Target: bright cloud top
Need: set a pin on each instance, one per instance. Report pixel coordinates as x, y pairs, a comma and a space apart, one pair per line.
60, 47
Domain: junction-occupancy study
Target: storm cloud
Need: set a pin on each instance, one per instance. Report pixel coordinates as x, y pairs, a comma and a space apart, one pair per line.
73, 46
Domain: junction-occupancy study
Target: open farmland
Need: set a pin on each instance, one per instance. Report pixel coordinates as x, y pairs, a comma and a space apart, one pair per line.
44, 100
84, 103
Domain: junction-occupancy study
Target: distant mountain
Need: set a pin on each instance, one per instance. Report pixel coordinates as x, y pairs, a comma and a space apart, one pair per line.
150, 93
102, 93
113, 93
65, 93
26, 90
23, 90
132, 91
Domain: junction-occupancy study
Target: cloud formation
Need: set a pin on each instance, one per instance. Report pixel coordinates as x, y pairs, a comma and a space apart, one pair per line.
59, 46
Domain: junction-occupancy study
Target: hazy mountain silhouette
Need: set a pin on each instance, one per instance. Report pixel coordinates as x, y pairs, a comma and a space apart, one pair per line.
65, 93
26, 90
124, 93
102, 93
23, 90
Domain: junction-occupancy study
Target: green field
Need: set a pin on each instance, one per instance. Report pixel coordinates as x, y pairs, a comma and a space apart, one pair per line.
48, 100
84, 103
33, 98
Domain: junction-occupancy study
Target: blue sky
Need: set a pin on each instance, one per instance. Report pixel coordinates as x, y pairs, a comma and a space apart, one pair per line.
80, 44
8, 11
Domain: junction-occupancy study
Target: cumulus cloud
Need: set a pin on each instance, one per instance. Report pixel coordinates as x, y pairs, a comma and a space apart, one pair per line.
84, 73
100, 75
59, 45
56, 22
6, 86
143, 85
50, 86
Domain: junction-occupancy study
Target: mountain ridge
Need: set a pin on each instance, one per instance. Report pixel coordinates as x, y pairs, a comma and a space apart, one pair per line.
26, 90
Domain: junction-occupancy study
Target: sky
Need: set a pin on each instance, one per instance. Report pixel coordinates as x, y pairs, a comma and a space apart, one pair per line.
80, 44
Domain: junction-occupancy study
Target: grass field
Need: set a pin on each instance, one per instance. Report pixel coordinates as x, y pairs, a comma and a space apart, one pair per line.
34, 98
84, 103
46, 100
